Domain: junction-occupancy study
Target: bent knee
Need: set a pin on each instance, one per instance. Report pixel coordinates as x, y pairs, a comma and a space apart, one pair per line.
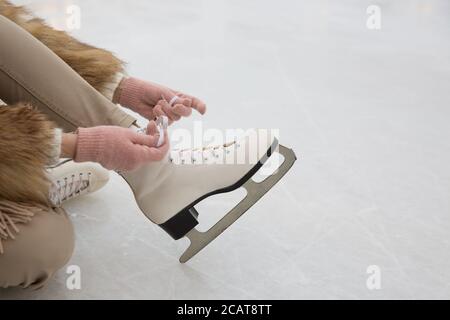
42, 246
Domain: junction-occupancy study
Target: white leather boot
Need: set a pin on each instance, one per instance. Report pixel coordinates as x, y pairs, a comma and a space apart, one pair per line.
167, 191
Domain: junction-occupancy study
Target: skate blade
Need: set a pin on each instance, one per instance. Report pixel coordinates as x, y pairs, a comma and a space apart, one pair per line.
255, 190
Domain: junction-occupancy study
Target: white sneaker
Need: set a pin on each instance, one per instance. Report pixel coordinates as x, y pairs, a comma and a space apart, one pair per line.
71, 180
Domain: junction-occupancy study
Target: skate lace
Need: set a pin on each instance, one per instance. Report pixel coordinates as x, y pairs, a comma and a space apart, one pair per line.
67, 187
203, 155
162, 122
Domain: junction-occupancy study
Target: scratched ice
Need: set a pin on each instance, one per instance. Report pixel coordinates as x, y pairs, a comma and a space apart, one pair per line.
366, 110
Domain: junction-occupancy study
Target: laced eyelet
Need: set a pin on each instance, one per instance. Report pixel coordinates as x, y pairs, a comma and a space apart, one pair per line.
66, 189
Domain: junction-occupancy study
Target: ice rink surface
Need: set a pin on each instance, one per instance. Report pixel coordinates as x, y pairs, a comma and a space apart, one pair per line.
367, 112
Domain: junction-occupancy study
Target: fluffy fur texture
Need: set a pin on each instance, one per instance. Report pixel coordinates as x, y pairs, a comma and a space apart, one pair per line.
26, 146
26, 136
99, 67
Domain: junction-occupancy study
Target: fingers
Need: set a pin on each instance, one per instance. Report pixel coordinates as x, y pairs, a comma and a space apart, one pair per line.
182, 110
196, 104
152, 136
152, 128
170, 112
164, 109
185, 101
152, 153
158, 111
181, 107
177, 105
158, 100
145, 140
168, 95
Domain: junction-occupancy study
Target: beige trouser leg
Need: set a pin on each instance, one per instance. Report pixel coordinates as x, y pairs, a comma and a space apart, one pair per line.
41, 247
30, 72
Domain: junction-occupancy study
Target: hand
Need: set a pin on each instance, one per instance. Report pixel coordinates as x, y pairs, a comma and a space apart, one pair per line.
117, 148
151, 100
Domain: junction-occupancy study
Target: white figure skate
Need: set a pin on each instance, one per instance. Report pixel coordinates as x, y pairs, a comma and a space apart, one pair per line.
167, 191
71, 180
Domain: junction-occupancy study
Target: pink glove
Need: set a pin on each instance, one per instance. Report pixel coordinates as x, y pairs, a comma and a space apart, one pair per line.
151, 100
117, 148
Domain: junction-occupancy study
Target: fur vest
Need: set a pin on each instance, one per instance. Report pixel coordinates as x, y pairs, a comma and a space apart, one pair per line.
26, 135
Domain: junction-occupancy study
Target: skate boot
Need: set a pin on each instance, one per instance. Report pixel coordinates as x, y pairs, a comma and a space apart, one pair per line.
167, 191
71, 180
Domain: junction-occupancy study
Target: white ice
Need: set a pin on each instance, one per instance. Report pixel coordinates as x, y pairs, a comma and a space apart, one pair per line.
366, 111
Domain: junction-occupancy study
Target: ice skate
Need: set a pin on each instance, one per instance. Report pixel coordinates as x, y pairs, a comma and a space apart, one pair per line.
71, 180
167, 191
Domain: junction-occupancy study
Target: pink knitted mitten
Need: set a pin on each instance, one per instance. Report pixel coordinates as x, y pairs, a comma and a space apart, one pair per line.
117, 148
151, 100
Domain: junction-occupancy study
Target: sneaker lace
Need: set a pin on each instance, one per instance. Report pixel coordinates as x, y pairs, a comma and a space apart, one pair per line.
67, 187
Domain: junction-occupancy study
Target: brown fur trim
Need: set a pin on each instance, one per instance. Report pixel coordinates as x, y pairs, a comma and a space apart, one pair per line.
26, 143
98, 67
